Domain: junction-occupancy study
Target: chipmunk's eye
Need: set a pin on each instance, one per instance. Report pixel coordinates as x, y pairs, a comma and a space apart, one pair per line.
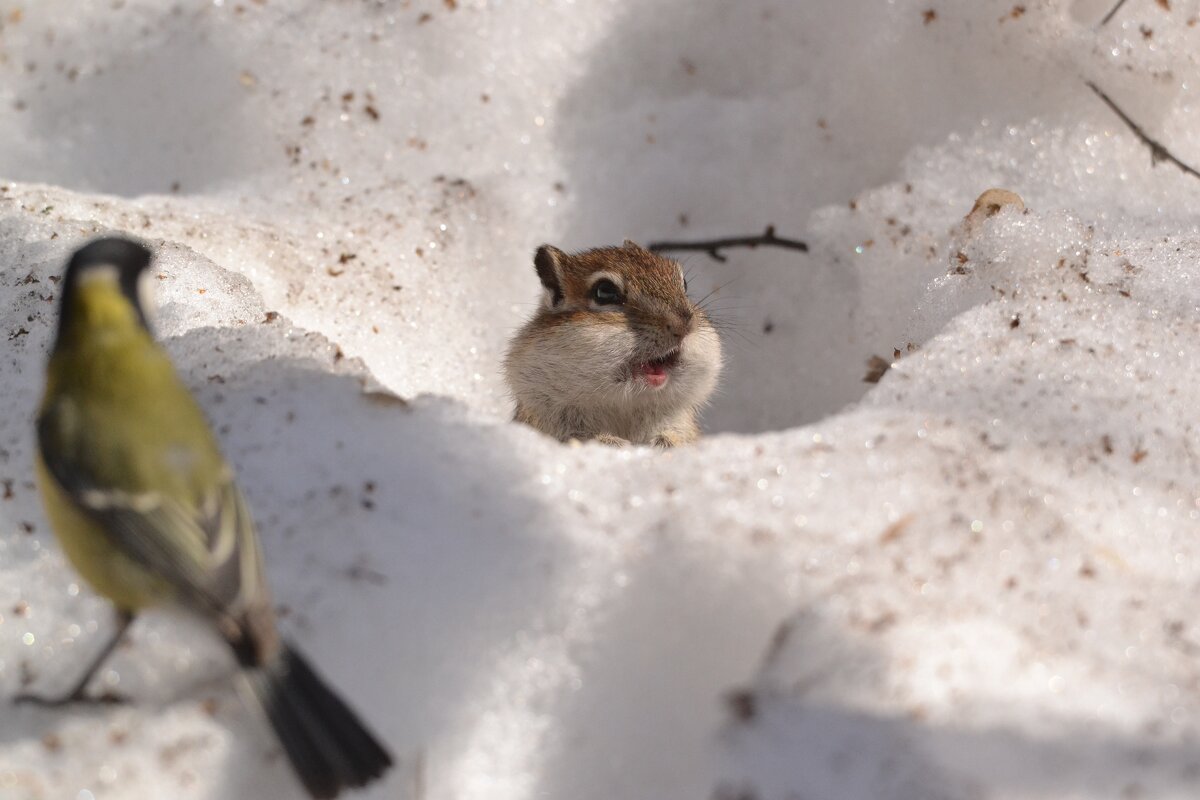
606, 293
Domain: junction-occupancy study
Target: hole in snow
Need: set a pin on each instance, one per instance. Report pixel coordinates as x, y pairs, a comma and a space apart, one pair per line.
673, 134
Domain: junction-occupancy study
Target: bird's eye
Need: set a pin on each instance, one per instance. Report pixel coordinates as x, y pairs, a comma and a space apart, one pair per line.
606, 293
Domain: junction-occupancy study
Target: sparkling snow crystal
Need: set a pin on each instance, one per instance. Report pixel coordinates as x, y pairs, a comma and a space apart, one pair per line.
975, 578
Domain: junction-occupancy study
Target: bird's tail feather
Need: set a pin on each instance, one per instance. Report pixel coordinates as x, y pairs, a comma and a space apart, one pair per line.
328, 746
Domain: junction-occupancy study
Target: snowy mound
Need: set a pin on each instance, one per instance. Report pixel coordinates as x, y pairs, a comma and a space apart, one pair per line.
973, 579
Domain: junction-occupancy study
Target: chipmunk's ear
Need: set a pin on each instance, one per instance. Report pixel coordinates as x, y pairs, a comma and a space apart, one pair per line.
631, 243
548, 263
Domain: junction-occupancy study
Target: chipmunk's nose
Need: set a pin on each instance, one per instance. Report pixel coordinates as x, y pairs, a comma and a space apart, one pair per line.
681, 323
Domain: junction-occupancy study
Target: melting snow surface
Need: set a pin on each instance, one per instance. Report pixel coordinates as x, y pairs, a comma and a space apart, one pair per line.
974, 579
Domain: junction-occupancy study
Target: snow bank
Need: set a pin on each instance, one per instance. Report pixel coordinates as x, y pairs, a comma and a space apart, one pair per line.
973, 579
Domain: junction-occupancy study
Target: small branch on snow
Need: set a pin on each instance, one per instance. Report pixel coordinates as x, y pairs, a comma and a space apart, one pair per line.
1158, 152
1112, 13
714, 246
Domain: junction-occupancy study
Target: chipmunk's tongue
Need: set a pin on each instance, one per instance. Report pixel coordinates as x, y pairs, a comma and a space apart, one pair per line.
656, 372
653, 372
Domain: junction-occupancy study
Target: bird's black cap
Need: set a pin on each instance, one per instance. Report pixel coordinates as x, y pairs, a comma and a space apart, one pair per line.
127, 257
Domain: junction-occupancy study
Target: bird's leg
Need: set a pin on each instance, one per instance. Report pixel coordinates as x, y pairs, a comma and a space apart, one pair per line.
76, 694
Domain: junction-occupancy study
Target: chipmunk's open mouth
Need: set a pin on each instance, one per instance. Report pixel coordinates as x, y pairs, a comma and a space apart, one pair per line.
656, 372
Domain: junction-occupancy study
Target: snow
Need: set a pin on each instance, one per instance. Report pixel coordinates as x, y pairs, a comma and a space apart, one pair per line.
974, 579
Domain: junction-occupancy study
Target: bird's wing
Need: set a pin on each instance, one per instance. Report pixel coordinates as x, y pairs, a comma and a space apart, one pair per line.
206, 549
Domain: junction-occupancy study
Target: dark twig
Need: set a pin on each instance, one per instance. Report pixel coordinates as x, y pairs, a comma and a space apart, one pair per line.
1112, 13
714, 246
1157, 151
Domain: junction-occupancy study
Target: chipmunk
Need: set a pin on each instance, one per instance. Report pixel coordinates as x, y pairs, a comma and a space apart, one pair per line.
617, 352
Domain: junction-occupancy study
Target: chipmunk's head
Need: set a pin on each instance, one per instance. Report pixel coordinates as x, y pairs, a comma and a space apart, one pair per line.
617, 329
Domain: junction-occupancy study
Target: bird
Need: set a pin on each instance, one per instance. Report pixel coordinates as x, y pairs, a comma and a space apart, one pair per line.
148, 511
